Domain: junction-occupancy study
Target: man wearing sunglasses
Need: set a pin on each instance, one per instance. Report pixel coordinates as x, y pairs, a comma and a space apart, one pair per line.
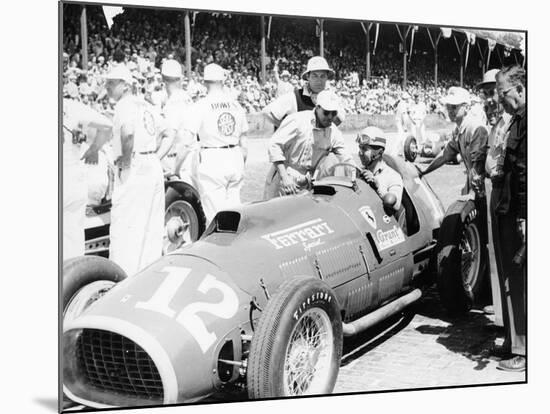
510, 211
382, 178
301, 144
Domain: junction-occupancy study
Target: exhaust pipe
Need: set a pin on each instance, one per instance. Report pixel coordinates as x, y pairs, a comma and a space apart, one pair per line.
361, 324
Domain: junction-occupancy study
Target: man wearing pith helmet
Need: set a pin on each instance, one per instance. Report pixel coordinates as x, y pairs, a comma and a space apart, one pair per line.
316, 75
301, 144
382, 178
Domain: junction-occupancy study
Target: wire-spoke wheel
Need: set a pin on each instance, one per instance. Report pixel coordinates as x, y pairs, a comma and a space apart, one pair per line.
308, 355
297, 345
470, 257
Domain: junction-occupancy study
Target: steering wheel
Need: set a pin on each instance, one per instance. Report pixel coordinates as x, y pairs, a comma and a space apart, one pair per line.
343, 164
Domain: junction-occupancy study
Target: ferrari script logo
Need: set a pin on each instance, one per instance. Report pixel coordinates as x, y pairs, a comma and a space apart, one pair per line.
305, 233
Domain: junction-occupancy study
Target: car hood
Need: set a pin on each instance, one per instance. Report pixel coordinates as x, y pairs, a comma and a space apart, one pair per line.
178, 310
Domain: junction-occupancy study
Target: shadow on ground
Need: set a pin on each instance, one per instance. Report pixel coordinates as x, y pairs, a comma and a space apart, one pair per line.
471, 335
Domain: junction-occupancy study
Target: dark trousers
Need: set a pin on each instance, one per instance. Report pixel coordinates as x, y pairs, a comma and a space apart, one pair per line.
507, 242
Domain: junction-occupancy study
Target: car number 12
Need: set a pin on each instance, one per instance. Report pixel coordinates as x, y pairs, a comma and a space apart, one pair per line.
189, 317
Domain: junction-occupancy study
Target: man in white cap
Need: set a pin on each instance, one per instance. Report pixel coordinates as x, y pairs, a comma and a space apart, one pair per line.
301, 143
77, 118
219, 123
382, 178
137, 213
304, 99
469, 140
176, 109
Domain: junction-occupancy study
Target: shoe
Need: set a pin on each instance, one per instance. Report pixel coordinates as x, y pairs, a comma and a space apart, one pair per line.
503, 351
515, 364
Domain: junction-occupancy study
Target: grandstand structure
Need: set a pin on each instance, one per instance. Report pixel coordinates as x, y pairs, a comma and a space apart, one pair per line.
402, 53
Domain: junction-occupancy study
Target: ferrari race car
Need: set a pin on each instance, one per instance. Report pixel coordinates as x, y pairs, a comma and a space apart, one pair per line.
264, 298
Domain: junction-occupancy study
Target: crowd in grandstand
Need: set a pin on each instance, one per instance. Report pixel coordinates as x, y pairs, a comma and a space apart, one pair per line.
143, 39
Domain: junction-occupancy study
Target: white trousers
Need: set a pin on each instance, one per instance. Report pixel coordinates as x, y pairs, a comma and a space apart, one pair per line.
137, 214
220, 178
74, 209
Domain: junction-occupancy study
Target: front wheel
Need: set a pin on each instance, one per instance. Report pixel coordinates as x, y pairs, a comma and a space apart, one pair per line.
297, 346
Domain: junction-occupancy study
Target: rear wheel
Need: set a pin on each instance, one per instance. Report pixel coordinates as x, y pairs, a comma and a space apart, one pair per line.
410, 149
297, 346
461, 258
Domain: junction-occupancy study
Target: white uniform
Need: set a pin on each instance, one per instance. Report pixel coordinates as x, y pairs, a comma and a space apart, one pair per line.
75, 192
302, 147
137, 214
219, 121
176, 112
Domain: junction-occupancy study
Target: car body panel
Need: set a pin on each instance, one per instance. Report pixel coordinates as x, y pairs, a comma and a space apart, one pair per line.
194, 304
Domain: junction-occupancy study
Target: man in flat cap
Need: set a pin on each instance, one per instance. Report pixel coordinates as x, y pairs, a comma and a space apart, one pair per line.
382, 178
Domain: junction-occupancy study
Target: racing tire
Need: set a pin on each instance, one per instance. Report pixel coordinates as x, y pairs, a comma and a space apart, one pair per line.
410, 148
461, 259
285, 358
79, 272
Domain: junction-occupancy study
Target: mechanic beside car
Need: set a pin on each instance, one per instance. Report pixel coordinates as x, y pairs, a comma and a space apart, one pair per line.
382, 178
220, 124
301, 143
137, 213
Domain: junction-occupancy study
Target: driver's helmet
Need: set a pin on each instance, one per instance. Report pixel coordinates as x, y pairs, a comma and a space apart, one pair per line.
371, 136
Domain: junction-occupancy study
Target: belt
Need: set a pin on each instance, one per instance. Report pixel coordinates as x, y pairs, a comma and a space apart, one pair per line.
225, 146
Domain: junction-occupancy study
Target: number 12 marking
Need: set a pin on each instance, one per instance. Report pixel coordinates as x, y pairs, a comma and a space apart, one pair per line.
188, 317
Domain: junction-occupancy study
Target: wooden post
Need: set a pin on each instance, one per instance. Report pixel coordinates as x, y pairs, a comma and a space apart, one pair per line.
321, 38
84, 35
262, 49
368, 51
404, 44
435, 45
187, 25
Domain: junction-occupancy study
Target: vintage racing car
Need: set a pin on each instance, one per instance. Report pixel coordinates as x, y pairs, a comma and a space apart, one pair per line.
265, 297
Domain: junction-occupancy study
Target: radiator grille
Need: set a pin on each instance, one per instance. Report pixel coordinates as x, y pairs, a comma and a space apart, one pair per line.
113, 363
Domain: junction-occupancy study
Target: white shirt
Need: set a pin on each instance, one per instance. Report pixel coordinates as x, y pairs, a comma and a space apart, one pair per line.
176, 113
139, 117
218, 120
300, 144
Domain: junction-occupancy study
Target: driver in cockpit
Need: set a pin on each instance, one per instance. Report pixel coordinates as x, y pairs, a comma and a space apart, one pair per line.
381, 177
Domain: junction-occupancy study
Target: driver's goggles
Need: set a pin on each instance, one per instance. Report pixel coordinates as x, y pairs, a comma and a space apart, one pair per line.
366, 147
